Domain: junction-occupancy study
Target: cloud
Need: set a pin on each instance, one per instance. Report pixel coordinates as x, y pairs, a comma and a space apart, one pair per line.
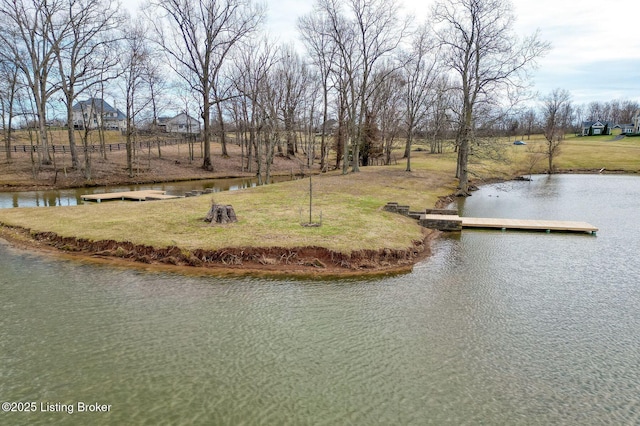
282, 17
595, 47
601, 80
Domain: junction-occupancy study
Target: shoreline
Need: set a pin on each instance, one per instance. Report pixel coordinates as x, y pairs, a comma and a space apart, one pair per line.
302, 262
305, 261
10, 188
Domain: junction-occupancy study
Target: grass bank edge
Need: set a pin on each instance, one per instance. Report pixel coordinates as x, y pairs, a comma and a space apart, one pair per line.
270, 216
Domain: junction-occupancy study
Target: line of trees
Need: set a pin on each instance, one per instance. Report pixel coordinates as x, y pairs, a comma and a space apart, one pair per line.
532, 119
555, 115
616, 111
382, 78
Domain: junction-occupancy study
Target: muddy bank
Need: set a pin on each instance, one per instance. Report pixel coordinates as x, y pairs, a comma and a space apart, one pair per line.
301, 261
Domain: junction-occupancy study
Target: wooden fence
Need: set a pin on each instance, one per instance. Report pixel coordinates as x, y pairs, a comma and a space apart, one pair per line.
110, 147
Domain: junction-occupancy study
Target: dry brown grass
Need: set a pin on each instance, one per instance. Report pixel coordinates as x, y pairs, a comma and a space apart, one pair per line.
578, 153
149, 166
350, 205
270, 216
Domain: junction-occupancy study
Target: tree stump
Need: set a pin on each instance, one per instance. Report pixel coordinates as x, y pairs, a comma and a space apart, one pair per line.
221, 214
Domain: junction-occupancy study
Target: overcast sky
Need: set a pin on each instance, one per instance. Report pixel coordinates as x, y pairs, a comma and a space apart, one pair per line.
595, 45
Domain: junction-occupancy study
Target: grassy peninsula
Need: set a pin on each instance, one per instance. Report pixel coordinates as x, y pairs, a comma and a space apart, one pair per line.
355, 233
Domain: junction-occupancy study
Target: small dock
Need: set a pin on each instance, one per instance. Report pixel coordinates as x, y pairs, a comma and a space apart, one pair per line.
448, 220
147, 195
504, 224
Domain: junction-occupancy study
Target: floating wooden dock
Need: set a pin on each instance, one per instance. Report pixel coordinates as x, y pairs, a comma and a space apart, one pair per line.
451, 222
146, 195
448, 220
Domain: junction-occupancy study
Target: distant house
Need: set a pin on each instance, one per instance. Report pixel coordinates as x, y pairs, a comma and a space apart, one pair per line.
625, 128
181, 123
636, 122
96, 113
595, 128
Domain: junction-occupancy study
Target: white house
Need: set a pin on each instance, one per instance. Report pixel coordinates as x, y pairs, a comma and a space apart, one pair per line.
636, 122
95, 113
181, 123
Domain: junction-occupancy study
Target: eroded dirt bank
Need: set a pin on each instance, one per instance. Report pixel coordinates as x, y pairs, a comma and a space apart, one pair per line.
302, 261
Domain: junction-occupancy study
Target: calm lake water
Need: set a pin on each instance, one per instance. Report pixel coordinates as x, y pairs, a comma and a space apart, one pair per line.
507, 328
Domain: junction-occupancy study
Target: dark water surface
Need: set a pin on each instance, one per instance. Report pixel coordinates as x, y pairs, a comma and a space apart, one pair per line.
513, 328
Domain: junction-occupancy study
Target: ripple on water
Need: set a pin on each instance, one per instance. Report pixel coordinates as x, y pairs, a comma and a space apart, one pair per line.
495, 328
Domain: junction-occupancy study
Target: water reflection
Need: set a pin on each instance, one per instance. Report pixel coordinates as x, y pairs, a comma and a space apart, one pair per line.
542, 198
72, 197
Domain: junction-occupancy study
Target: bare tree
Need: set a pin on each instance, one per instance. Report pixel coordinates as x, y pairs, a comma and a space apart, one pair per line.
364, 34
628, 110
24, 29
198, 36
237, 109
221, 92
293, 78
26, 105
341, 134
481, 48
385, 118
528, 119
420, 76
157, 85
596, 111
84, 51
557, 114
253, 69
439, 122
309, 118
89, 111
534, 154
314, 30
344, 72
134, 62
379, 31
616, 111
9, 93
270, 103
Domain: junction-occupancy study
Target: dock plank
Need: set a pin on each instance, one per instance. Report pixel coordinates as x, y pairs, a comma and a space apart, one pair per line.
523, 224
150, 194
